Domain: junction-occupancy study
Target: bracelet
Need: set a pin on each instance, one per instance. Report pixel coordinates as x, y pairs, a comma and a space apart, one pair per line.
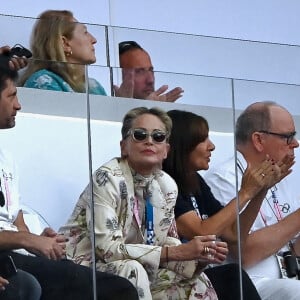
167, 254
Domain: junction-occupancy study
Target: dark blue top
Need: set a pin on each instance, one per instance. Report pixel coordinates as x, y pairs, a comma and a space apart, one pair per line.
208, 205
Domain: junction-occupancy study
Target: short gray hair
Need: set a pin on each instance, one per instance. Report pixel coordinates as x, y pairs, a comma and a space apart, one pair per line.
255, 117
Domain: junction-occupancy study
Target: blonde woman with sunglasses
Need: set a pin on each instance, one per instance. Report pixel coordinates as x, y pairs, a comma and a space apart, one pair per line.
135, 233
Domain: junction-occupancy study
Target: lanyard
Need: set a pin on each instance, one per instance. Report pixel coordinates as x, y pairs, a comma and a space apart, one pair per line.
275, 209
149, 221
276, 206
195, 205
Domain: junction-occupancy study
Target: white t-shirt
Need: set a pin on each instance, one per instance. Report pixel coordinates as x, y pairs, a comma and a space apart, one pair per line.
10, 189
222, 181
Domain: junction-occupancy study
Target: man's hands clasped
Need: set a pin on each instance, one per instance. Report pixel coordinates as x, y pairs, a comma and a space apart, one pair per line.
48, 244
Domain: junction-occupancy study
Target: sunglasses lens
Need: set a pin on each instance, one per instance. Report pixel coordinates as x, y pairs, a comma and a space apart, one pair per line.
159, 137
139, 135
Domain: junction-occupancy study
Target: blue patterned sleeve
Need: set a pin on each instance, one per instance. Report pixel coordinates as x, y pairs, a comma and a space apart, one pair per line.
47, 80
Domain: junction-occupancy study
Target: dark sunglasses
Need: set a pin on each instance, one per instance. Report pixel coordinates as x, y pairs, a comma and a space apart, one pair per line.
288, 136
128, 45
140, 135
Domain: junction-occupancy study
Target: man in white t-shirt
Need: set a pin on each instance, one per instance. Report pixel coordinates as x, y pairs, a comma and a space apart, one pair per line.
264, 128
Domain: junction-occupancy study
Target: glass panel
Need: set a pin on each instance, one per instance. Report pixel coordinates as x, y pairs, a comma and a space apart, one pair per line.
218, 113
221, 57
254, 61
22, 34
50, 141
46, 121
198, 90
107, 113
248, 92
56, 125
277, 204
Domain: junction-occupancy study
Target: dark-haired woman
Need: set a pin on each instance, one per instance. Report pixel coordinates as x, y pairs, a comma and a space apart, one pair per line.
197, 212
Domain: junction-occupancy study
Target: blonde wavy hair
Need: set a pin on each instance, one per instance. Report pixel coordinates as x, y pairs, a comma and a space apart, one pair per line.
47, 48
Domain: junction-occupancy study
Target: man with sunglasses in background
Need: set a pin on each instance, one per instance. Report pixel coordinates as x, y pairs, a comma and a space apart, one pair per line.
138, 76
42, 256
265, 129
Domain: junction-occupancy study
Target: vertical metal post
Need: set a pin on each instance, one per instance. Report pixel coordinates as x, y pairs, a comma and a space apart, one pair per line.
237, 195
111, 75
91, 197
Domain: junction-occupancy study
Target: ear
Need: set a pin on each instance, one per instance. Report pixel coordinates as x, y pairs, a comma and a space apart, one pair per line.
258, 141
65, 44
167, 150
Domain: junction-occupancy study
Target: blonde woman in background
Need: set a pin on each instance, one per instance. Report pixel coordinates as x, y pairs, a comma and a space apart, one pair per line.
61, 47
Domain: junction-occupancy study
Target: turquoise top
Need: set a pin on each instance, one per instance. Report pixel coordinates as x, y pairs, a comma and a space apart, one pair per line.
47, 80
